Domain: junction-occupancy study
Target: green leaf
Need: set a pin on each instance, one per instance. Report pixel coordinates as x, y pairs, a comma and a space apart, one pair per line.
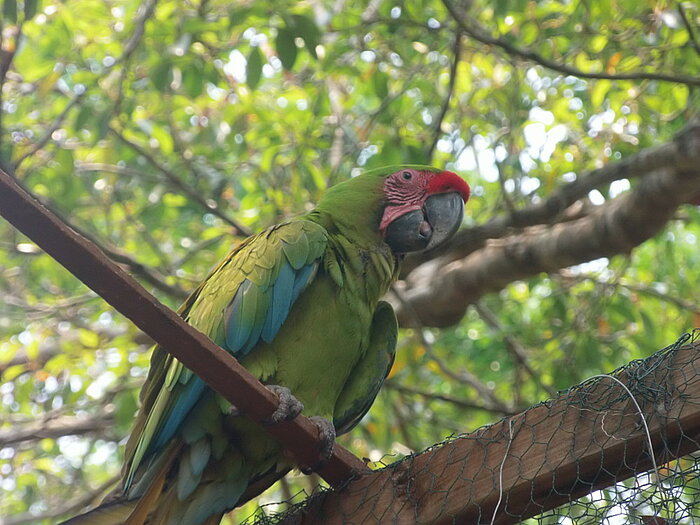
101, 126
164, 138
192, 80
305, 28
286, 48
253, 69
598, 43
30, 9
5, 153
598, 93
380, 84
161, 75
9, 11
88, 338
238, 15
84, 116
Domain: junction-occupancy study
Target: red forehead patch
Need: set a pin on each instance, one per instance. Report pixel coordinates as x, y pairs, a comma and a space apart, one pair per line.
446, 181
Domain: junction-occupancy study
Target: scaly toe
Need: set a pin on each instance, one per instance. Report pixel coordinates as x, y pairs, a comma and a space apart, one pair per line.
326, 435
289, 407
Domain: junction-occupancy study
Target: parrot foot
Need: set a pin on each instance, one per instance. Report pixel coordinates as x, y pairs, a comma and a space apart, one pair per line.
289, 407
326, 435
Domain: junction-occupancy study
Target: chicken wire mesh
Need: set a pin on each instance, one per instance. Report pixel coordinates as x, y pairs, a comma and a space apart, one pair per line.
581, 458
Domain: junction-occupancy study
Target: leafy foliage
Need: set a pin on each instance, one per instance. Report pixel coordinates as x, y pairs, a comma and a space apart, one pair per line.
166, 131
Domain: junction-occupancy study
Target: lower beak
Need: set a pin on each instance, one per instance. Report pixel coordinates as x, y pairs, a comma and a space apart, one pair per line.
429, 227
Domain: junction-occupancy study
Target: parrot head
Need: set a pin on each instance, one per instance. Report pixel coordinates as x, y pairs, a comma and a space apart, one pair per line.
410, 207
424, 207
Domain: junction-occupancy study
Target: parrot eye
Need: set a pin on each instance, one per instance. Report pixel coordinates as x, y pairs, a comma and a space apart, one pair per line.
407, 175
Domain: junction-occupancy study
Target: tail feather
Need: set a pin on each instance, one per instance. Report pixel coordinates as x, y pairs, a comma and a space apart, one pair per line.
140, 511
115, 513
148, 499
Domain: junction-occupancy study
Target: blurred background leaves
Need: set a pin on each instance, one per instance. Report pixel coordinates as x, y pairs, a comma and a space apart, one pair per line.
168, 131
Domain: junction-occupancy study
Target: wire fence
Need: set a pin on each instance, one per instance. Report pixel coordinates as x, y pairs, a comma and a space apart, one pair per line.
580, 458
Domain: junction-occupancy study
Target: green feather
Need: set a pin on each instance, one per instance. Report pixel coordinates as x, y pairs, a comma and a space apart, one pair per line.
332, 348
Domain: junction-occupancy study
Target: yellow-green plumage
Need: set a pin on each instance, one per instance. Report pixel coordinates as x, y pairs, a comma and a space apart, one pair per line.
299, 305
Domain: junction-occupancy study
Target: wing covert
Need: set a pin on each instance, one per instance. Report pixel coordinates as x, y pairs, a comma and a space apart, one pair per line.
243, 301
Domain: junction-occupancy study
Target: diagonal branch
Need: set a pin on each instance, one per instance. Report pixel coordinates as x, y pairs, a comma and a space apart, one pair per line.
514, 347
176, 182
526, 54
689, 27
391, 384
70, 508
148, 274
197, 352
437, 130
439, 295
145, 12
57, 427
46, 137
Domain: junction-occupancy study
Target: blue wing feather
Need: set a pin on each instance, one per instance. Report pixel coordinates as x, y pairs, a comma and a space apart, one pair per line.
275, 278
282, 293
302, 279
262, 308
236, 330
187, 398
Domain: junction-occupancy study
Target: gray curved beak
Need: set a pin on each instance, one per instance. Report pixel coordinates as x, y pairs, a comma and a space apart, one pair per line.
428, 228
444, 212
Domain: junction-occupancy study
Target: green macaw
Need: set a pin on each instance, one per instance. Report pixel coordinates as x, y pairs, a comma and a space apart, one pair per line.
299, 306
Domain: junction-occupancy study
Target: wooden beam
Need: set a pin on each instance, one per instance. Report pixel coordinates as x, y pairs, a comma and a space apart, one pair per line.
196, 351
584, 440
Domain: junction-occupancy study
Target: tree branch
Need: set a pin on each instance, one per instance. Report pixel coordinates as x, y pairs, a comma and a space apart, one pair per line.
439, 294
144, 13
177, 183
57, 427
391, 384
689, 27
551, 209
479, 34
137, 268
71, 507
513, 346
456, 51
46, 137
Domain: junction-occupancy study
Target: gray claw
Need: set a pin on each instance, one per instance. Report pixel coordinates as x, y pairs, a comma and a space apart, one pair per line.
326, 434
289, 407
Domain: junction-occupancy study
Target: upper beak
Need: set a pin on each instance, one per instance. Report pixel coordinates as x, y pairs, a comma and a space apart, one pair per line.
444, 212
428, 227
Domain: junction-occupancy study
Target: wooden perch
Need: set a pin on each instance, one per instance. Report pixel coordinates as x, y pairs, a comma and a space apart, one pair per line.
582, 441
213, 364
